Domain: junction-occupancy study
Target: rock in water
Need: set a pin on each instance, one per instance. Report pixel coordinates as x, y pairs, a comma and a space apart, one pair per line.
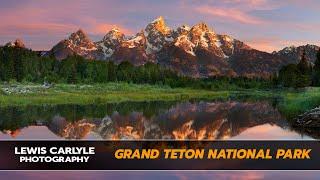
310, 119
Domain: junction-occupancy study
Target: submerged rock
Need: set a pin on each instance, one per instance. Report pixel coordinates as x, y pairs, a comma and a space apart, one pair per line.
309, 119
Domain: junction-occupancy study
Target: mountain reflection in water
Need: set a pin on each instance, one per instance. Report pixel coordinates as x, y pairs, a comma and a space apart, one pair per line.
153, 120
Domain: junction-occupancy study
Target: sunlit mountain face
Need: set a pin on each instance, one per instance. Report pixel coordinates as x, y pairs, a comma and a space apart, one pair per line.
156, 120
196, 51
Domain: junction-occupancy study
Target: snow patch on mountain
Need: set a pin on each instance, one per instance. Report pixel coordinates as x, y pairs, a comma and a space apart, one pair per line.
107, 52
218, 43
184, 42
206, 53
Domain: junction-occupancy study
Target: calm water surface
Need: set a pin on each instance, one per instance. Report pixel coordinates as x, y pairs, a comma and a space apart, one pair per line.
152, 120
149, 120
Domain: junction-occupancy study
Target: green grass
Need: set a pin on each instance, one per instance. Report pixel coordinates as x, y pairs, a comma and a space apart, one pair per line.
33, 94
297, 102
292, 102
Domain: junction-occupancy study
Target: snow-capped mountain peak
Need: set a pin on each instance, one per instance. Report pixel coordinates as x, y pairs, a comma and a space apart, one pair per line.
294, 53
159, 19
158, 25
196, 51
137, 40
183, 30
201, 27
157, 35
77, 43
110, 41
114, 34
80, 38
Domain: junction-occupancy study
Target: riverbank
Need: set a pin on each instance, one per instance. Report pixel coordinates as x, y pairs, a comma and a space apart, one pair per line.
291, 102
35, 94
299, 101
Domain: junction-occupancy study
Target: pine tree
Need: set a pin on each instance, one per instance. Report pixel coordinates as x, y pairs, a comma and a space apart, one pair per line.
303, 65
317, 62
72, 76
304, 78
316, 71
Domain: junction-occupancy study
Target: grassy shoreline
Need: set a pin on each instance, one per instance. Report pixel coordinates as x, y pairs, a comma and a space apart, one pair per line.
292, 102
35, 94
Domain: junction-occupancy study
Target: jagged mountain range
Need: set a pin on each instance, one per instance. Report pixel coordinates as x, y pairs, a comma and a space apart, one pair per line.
195, 51
293, 54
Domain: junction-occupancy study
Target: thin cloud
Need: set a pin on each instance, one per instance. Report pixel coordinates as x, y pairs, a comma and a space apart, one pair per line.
230, 14
35, 28
43, 23
251, 4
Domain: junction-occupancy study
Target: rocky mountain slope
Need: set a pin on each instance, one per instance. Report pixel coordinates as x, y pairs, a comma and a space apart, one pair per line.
195, 51
77, 44
293, 53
